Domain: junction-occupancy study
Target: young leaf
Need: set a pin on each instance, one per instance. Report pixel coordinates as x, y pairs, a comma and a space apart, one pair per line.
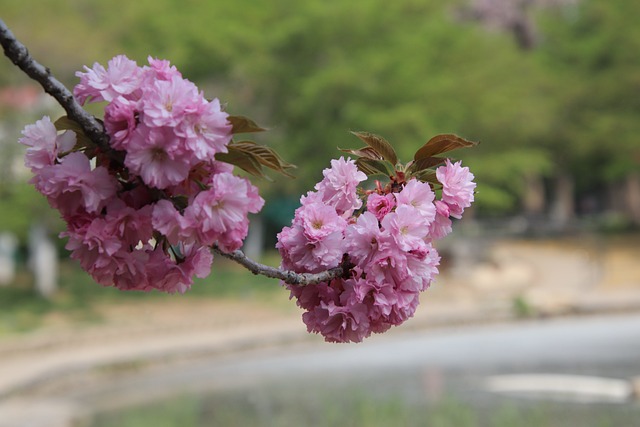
264, 155
425, 163
380, 145
244, 161
441, 144
366, 152
242, 124
427, 175
65, 123
374, 167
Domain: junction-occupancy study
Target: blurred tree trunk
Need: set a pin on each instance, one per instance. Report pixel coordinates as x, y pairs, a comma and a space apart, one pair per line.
517, 18
562, 208
534, 201
632, 197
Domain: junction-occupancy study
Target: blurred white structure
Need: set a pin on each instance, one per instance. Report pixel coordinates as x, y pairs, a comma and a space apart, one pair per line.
43, 261
8, 247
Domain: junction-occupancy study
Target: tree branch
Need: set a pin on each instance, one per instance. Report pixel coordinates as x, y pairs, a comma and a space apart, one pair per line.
19, 55
287, 276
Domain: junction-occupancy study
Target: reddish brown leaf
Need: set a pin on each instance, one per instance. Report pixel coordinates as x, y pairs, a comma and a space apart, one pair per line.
242, 124
441, 144
380, 145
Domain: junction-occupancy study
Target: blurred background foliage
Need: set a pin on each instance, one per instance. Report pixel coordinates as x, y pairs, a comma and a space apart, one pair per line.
549, 87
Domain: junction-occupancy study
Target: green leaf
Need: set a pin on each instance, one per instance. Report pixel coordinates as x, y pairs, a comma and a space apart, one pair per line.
244, 161
380, 145
427, 175
441, 144
65, 123
264, 155
242, 124
426, 163
366, 152
249, 156
374, 167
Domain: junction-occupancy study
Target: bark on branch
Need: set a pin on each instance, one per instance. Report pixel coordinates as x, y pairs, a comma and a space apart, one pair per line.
19, 55
287, 276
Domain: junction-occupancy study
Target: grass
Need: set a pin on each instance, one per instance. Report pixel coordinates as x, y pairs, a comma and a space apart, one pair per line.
354, 408
22, 309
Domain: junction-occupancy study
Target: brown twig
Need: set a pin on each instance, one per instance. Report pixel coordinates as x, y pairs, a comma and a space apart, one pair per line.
19, 55
287, 276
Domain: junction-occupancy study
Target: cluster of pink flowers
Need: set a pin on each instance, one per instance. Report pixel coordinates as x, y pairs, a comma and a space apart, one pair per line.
161, 120
386, 247
144, 214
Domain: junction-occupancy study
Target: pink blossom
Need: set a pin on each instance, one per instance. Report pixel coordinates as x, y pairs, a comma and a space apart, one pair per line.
405, 308
338, 323
94, 236
161, 69
127, 270
422, 268
379, 298
318, 221
419, 195
138, 196
441, 226
72, 184
380, 205
363, 238
157, 156
173, 276
292, 247
165, 103
311, 197
122, 77
167, 220
200, 175
309, 296
457, 187
206, 131
220, 213
388, 265
123, 231
304, 256
44, 144
131, 226
338, 188
315, 240
121, 267
407, 227
120, 120
388, 245
334, 320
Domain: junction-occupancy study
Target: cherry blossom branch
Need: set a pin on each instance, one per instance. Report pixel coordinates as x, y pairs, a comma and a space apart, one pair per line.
93, 128
287, 276
19, 55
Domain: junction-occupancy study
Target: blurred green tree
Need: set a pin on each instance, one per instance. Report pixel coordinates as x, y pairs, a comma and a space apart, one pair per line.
311, 71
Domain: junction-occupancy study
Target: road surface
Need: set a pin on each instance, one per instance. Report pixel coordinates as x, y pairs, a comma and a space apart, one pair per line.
418, 365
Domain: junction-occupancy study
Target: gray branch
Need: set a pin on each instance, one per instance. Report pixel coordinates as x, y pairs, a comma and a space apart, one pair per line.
19, 55
287, 276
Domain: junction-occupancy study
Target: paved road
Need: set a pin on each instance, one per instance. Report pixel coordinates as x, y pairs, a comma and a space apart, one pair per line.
415, 365
419, 364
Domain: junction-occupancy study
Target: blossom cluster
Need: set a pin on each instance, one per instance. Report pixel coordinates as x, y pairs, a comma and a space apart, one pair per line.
384, 239
143, 213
